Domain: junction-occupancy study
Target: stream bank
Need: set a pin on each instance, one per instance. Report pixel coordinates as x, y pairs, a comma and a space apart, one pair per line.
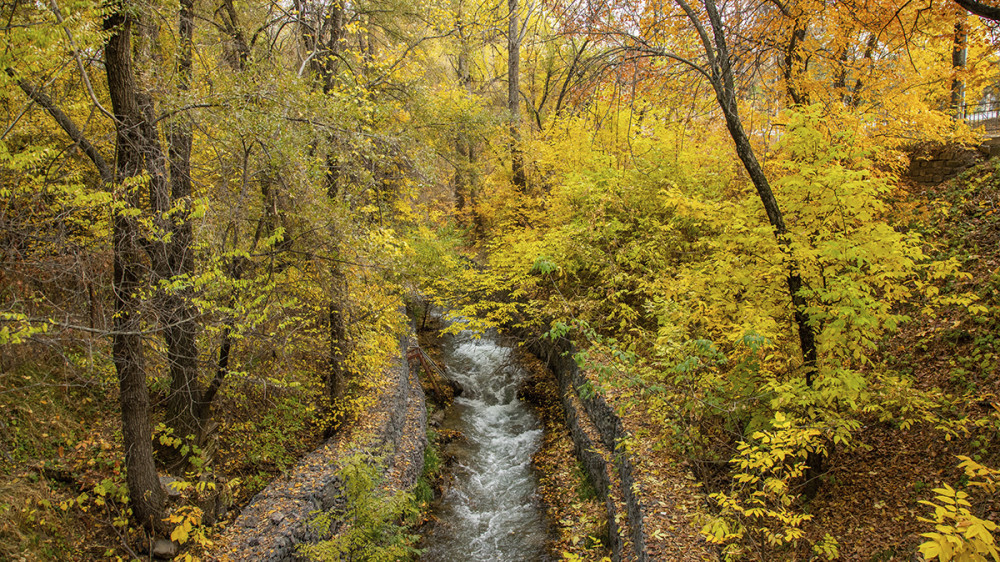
579, 516
277, 520
489, 411
596, 431
651, 504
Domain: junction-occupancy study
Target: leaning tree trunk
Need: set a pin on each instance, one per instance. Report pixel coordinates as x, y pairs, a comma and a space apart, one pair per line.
724, 86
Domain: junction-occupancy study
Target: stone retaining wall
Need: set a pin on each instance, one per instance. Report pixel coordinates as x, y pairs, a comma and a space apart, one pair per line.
277, 518
596, 432
932, 162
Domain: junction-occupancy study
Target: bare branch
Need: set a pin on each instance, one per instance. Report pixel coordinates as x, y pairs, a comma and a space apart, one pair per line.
982, 10
79, 62
67, 125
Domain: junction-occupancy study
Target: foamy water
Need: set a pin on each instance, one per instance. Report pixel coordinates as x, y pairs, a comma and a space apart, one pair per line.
490, 512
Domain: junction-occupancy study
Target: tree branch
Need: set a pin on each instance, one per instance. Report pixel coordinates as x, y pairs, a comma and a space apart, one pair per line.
702, 34
79, 62
982, 10
67, 125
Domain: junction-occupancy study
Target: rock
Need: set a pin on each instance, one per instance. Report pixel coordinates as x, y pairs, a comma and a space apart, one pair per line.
172, 491
329, 494
277, 517
932, 162
437, 418
164, 549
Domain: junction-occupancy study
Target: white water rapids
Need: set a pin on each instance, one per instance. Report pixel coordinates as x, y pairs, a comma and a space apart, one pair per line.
489, 512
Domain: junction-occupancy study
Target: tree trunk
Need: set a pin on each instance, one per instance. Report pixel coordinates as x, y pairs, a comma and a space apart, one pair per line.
795, 64
464, 184
723, 83
959, 57
181, 330
725, 91
514, 97
146, 495
460, 182
859, 83
322, 48
337, 380
981, 9
236, 52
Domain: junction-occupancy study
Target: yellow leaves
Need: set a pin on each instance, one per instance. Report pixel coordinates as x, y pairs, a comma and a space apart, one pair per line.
719, 531
187, 521
827, 548
979, 475
180, 533
16, 328
761, 502
961, 535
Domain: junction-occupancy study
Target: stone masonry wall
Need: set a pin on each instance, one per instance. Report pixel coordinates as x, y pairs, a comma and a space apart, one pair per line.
932, 163
596, 431
277, 518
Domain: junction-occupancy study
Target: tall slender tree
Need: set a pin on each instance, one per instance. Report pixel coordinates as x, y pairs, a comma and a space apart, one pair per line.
514, 95
131, 157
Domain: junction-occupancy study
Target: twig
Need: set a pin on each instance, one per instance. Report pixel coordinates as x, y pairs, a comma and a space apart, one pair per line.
79, 62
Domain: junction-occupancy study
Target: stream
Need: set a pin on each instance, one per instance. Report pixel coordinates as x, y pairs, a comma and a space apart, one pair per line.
489, 512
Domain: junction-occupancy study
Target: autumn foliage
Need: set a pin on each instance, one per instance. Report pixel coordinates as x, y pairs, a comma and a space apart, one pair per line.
212, 217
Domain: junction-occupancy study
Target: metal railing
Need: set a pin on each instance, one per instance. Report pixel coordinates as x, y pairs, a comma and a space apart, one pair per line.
984, 114
434, 373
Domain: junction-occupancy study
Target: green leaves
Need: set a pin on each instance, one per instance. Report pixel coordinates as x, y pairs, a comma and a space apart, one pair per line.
369, 528
17, 328
544, 266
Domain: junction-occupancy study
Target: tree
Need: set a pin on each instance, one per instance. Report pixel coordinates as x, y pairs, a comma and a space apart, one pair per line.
464, 187
152, 239
514, 95
185, 407
324, 41
132, 149
959, 59
128, 283
718, 70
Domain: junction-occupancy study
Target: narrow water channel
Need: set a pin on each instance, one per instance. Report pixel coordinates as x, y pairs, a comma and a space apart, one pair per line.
489, 512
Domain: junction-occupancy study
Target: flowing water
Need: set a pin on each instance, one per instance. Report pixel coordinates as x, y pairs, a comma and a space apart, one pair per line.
489, 512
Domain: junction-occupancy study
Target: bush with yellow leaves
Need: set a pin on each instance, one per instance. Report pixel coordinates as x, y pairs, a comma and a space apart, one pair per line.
961, 534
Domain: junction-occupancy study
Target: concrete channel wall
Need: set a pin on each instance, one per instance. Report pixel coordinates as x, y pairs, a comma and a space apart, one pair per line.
277, 519
596, 430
